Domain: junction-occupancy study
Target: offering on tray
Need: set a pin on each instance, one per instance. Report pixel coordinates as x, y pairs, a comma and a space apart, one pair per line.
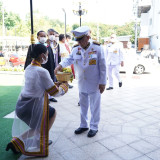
64, 76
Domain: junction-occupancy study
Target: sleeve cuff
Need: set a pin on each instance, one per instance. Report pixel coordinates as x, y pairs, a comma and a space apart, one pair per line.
53, 90
64, 87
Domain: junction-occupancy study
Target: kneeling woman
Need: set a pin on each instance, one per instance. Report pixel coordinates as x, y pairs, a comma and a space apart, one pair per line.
34, 117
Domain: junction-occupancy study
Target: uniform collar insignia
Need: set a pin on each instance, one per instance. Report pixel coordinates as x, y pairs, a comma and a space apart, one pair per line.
79, 51
92, 51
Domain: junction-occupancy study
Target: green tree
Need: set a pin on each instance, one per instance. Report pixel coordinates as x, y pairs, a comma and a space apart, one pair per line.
1, 5
127, 29
74, 26
11, 19
18, 27
45, 23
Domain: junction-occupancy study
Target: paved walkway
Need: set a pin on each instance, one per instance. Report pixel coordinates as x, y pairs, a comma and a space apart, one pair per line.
129, 127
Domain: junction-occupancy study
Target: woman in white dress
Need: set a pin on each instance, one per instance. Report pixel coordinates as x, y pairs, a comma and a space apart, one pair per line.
33, 115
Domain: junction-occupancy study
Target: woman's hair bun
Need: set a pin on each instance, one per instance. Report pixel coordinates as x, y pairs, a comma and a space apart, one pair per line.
37, 50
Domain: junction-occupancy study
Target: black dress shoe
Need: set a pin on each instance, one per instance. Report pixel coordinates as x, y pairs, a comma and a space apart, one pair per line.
109, 88
53, 100
92, 133
120, 84
70, 86
80, 130
49, 142
11, 146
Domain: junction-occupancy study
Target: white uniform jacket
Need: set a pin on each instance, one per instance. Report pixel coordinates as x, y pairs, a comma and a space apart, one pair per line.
90, 65
114, 54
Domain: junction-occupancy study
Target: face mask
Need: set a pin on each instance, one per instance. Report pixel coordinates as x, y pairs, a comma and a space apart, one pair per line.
57, 39
42, 40
52, 37
43, 60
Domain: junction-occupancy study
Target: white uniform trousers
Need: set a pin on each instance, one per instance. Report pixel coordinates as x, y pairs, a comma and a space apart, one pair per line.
110, 70
93, 100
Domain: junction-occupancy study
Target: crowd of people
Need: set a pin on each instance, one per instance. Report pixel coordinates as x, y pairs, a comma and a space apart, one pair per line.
93, 66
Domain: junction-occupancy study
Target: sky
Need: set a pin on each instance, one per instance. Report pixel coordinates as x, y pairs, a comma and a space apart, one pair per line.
100, 11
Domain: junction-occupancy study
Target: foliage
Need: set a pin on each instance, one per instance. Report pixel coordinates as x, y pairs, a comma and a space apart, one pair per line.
67, 70
18, 27
74, 26
106, 30
10, 18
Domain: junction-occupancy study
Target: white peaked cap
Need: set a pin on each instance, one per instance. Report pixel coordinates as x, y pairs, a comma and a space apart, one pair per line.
80, 32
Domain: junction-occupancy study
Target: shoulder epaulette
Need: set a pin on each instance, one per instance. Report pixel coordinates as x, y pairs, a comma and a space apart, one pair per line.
75, 45
96, 43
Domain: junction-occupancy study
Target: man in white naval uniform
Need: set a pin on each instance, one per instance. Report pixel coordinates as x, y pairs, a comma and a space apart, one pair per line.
89, 61
114, 58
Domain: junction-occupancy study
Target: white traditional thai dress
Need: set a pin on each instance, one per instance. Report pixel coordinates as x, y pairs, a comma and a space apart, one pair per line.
32, 111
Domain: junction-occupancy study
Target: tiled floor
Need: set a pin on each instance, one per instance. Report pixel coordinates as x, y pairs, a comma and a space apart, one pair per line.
129, 128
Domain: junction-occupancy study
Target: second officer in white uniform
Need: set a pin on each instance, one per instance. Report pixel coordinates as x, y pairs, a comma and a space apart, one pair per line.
114, 58
88, 58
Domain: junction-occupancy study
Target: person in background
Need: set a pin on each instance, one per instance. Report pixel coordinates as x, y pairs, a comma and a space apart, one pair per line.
64, 49
67, 42
114, 58
129, 58
53, 42
68, 47
41, 37
56, 50
34, 117
89, 60
53, 57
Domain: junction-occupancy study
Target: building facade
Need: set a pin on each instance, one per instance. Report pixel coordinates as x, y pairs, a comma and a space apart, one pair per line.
149, 14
